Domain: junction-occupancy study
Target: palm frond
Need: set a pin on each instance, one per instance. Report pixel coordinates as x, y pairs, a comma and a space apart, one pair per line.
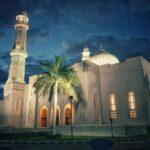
69, 74
51, 93
43, 84
46, 87
79, 94
39, 83
58, 61
67, 81
65, 87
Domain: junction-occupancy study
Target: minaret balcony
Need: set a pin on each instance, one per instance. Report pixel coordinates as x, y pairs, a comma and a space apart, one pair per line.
21, 25
21, 22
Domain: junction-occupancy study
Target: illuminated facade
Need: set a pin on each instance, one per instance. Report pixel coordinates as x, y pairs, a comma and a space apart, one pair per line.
114, 90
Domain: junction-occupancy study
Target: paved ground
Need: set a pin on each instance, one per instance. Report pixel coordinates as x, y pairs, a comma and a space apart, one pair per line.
54, 145
47, 146
126, 143
136, 145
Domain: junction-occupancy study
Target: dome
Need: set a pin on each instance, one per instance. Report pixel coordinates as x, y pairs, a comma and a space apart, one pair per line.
103, 57
86, 49
24, 13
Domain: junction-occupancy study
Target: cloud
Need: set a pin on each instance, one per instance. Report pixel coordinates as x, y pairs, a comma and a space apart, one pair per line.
81, 18
4, 66
37, 33
4, 59
121, 47
65, 45
57, 11
73, 11
8, 9
2, 34
3, 76
32, 67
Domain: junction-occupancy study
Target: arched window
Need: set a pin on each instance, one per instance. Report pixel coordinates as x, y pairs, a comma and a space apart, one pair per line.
132, 104
113, 107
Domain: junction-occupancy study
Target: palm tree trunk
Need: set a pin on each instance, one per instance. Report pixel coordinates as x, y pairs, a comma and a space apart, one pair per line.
36, 111
54, 106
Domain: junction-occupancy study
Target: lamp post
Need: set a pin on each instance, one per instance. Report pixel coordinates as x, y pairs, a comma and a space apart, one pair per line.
111, 127
71, 101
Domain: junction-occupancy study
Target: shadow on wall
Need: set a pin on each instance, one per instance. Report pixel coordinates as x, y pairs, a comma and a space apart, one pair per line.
147, 86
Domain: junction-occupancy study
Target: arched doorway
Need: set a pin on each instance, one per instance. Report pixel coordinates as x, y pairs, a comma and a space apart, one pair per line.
44, 117
68, 116
57, 116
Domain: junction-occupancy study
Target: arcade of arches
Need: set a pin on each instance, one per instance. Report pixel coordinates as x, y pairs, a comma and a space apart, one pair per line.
68, 118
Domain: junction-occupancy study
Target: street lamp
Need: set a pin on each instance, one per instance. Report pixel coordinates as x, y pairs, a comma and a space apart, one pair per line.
71, 101
111, 127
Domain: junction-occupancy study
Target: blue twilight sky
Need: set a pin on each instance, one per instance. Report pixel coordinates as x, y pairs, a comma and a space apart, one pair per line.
65, 27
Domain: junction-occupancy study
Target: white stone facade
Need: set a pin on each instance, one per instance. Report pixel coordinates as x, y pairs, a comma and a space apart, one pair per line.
100, 76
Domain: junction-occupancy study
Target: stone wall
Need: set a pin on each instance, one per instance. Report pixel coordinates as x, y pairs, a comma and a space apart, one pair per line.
119, 79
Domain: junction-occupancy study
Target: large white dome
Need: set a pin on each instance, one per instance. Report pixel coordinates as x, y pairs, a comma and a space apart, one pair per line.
102, 57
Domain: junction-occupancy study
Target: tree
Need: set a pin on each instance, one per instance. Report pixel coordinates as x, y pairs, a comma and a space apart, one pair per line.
57, 76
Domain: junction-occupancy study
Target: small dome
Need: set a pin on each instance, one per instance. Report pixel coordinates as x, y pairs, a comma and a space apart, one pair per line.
86, 49
103, 57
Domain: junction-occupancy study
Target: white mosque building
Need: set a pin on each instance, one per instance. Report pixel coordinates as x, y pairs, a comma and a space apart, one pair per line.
114, 90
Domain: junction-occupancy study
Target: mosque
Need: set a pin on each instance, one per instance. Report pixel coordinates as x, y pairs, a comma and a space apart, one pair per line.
117, 93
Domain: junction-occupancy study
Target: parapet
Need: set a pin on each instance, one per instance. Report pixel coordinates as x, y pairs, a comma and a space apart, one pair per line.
129, 63
32, 79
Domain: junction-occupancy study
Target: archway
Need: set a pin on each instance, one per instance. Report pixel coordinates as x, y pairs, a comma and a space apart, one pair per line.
44, 117
57, 116
68, 116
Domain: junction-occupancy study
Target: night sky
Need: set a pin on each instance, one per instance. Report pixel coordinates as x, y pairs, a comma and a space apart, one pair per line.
65, 27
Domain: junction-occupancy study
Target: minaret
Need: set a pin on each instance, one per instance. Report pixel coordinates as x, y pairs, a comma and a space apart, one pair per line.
18, 53
14, 89
85, 54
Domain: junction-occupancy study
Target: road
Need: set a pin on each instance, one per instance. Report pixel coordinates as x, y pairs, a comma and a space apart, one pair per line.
45, 146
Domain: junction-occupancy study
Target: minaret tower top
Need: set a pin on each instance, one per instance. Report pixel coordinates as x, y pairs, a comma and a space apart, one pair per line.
21, 26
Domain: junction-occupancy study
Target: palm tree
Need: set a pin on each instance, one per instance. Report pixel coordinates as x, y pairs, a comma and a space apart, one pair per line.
57, 76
